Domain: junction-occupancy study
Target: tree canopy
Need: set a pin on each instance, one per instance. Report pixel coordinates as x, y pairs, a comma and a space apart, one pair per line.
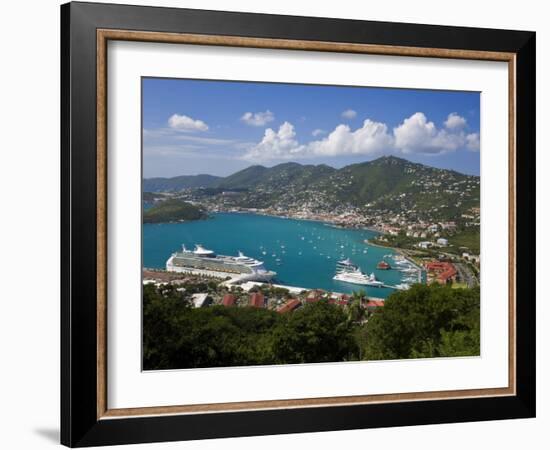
425, 321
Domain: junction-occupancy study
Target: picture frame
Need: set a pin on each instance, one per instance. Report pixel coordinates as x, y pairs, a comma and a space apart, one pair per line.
86, 418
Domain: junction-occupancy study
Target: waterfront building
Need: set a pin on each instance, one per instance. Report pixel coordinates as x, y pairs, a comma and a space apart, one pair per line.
229, 300
444, 272
372, 305
200, 300
257, 300
289, 306
314, 296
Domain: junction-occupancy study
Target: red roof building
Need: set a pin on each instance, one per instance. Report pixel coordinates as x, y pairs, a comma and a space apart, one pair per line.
373, 304
257, 300
291, 305
229, 300
445, 271
314, 296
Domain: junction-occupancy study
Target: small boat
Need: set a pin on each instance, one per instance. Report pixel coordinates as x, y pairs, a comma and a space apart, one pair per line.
345, 264
383, 265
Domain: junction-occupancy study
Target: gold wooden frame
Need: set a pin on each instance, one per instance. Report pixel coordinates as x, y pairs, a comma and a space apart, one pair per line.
103, 36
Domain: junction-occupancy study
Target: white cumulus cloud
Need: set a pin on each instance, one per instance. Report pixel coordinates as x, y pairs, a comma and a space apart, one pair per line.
371, 138
418, 135
318, 132
186, 123
258, 119
455, 122
472, 141
276, 144
349, 114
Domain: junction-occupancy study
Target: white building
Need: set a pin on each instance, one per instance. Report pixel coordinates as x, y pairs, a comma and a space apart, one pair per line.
200, 300
443, 242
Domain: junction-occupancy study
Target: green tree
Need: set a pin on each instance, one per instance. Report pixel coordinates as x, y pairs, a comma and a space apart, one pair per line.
317, 332
425, 321
356, 312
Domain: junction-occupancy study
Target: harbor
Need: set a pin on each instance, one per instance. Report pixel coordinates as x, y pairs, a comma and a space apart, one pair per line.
301, 253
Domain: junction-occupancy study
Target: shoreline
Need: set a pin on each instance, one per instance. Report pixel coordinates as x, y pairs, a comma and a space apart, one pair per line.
328, 222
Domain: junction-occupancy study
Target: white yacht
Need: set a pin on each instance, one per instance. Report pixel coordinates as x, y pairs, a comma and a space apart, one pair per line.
355, 276
206, 262
345, 264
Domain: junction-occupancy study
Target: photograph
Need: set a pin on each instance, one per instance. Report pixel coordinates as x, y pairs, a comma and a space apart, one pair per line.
300, 223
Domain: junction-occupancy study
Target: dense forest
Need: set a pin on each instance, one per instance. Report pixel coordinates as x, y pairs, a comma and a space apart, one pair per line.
425, 321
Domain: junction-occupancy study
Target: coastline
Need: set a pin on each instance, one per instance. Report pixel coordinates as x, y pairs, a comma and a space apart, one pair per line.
328, 222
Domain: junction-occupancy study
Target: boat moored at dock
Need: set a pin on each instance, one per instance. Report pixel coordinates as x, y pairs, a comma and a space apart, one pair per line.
202, 261
357, 277
383, 265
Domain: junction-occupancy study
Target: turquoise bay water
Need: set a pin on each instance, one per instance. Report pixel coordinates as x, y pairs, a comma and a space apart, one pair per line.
303, 253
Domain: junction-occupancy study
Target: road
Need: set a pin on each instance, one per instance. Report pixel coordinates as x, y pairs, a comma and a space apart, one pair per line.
466, 274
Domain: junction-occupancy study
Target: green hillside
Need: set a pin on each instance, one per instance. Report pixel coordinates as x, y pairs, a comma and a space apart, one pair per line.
246, 178
173, 210
387, 184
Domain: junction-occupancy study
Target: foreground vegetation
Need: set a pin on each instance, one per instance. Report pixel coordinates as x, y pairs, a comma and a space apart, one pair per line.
426, 321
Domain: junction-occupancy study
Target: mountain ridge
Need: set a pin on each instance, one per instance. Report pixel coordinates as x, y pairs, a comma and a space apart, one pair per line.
384, 185
251, 174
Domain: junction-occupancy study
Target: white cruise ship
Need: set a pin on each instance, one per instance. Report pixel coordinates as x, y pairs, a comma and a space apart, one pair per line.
202, 261
355, 276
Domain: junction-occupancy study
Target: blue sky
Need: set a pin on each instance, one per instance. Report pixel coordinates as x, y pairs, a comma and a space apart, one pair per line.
219, 127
